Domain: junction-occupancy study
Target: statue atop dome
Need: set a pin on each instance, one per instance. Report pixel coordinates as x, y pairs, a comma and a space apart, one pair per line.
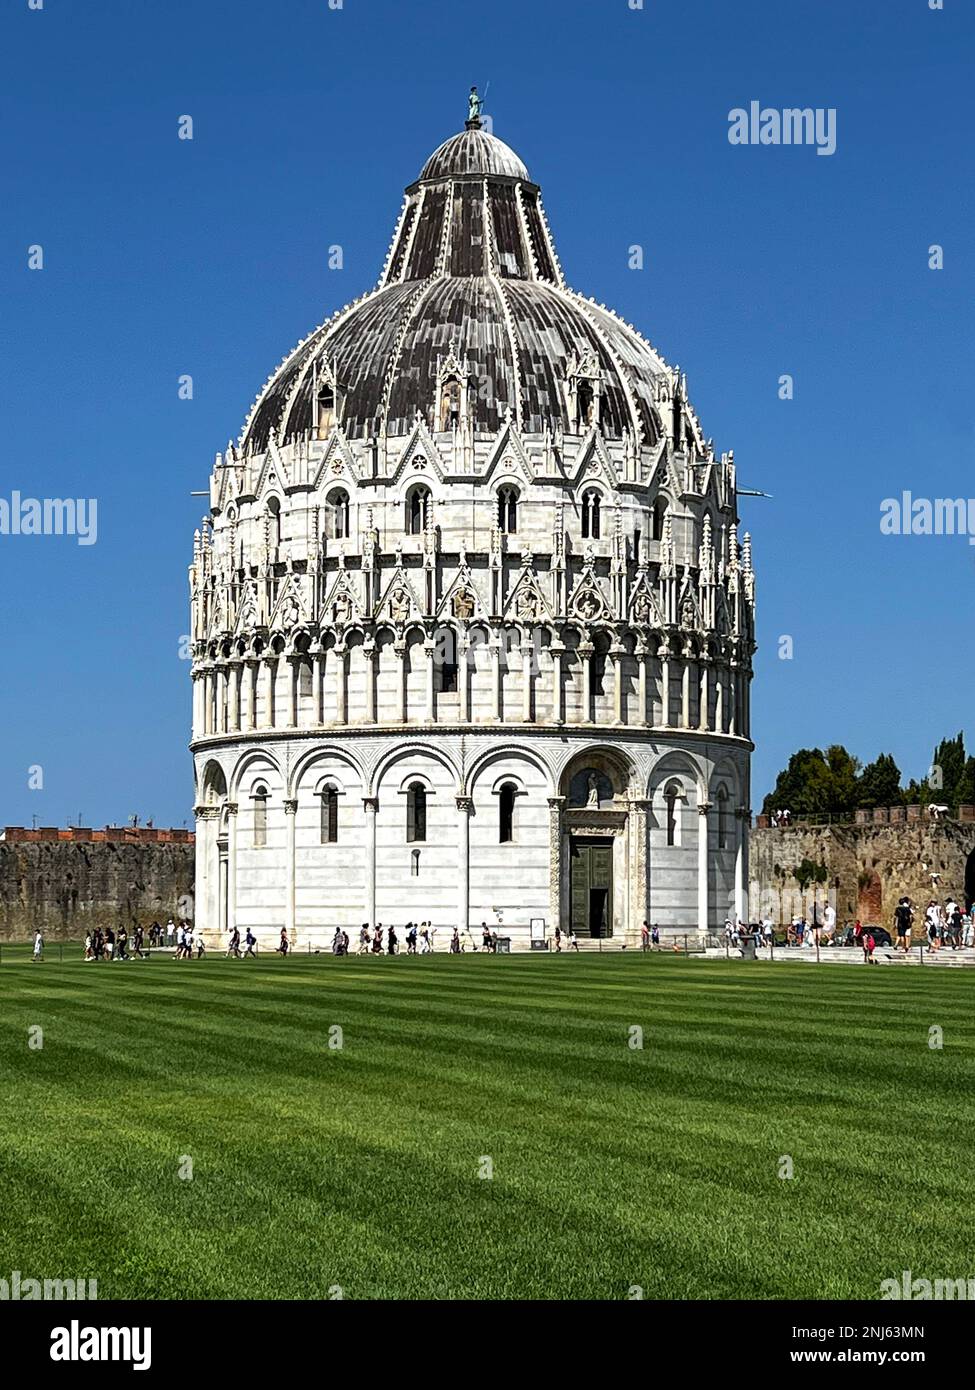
473, 121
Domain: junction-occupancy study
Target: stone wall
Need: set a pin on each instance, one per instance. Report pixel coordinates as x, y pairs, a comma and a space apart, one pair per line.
65, 886
869, 867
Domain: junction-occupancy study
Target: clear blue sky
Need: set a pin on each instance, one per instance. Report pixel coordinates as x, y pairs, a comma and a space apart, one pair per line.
209, 257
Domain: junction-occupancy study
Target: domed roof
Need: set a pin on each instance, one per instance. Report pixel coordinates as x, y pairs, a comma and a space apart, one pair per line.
472, 281
474, 151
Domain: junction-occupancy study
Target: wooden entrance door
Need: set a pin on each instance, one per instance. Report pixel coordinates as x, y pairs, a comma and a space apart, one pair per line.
591, 870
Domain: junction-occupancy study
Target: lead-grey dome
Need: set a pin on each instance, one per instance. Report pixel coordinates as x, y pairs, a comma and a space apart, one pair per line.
474, 152
472, 275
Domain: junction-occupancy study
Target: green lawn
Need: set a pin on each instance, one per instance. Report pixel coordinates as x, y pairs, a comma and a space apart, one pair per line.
359, 1167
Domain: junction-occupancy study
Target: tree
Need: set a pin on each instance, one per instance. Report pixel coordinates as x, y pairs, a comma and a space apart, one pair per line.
815, 782
880, 783
843, 771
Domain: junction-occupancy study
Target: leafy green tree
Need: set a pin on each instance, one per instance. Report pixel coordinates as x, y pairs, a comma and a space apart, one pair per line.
880, 783
844, 770
947, 771
815, 782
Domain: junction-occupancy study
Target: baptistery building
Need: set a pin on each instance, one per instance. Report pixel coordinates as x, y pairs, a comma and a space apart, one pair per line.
472, 623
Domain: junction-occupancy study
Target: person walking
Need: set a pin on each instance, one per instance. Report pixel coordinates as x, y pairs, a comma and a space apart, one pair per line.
250, 941
455, 943
868, 948
392, 942
645, 936
283, 946
364, 939
903, 918
38, 946
233, 948
573, 940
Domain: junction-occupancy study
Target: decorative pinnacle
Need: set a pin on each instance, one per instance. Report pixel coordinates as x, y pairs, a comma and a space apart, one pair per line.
473, 121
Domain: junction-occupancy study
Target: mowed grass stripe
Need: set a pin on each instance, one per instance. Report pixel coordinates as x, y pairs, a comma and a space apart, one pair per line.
360, 1167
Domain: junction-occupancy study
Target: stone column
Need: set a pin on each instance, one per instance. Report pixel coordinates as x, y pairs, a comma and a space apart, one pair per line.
270, 680
465, 806
732, 702
370, 654
616, 656
555, 804
718, 701
664, 688
431, 711
496, 680
685, 694
464, 679
237, 687
290, 808
526, 682
742, 818
704, 696
702, 864
252, 669
341, 685
557, 712
206, 871
199, 704
401, 712
643, 661
370, 805
586, 650
293, 662
231, 863
319, 678
639, 899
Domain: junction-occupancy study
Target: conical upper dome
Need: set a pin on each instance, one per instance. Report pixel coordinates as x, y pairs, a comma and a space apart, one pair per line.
472, 275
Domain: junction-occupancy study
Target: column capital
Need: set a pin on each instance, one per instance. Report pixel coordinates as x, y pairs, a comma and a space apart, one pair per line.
465, 804
703, 807
370, 804
556, 802
206, 812
231, 807
290, 807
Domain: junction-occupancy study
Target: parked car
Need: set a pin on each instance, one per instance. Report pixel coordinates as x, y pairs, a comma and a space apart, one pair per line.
881, 936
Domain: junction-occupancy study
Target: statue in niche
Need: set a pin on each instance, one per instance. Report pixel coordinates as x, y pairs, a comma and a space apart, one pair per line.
399, 604
526, 605
462, 604
249, 606
688, 617
290, 612
342, 608
641, 608
592, 791
586, 606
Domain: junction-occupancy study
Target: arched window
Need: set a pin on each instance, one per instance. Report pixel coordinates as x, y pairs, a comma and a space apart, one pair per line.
416, 812
673, 796
330, 816
326, 409
657, 519
445, 660
274, 520
337, 514
590, 515
450, 404
600, 653
508, 510
259, 798
506, 813
722, 818
416, 511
